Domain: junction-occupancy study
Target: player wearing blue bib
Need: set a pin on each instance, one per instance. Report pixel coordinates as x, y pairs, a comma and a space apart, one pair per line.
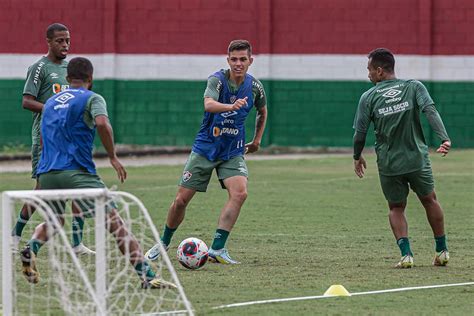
220, 144
46, 78
68, 125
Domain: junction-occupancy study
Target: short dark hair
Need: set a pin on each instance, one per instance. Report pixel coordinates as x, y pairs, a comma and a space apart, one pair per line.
382, 57
240, 45
80, 68
55, 27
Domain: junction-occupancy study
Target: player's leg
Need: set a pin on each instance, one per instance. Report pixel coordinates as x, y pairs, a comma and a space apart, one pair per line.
196, 175
130, 247
422, 183
77, 230
233, 177
27, 210
38, 239
395, 189
25, 214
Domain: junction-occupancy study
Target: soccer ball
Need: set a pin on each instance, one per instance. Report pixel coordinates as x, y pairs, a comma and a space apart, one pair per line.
192, 253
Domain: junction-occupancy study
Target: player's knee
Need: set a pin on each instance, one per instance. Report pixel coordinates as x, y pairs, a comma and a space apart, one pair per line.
428, 199
397, 207
180, 202
239, 196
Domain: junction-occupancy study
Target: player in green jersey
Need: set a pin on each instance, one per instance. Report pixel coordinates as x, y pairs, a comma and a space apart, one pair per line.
394, 107
45, 78
61, 128
220, 145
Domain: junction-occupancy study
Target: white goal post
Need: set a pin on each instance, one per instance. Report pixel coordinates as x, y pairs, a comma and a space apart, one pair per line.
104, 284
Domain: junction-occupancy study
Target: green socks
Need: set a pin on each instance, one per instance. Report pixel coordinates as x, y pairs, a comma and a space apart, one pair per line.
77, 227
20, 224
404, 245
220, 239
35, 245
167, 235
441, 243
144, 271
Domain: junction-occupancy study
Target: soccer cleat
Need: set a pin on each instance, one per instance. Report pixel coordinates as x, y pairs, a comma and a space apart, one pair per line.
441, 258
28, 259
221, 256
16, 243
406, 262
154, 252
157, 283
82, 250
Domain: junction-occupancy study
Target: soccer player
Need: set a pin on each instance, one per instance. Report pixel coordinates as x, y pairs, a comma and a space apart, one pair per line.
394, 106
68, 127
220, 144
45, 78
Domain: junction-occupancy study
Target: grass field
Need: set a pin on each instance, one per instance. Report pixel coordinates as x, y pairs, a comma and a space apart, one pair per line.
311, 223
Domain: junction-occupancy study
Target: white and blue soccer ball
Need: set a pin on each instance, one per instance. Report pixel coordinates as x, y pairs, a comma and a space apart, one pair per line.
192, 253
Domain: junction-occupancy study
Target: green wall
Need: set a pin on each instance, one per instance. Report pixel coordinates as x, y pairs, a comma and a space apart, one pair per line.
301, 113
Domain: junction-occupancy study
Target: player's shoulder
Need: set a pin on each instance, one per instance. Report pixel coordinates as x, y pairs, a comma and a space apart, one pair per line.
413, 82
218, 75
96, 97
258, 85
39, 64
368, 93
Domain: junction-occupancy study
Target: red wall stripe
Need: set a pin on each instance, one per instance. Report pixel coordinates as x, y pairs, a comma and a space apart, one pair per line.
428, 27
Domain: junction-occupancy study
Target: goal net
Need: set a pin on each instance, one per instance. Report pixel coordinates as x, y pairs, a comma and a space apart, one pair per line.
101, 284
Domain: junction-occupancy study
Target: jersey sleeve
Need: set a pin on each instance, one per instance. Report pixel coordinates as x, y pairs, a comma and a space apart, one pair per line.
32, 83
362, 116
212, 89
96, 106
260, 96
423, 98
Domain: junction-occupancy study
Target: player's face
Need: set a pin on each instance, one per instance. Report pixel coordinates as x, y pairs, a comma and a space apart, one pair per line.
239, 62
59, 44
375, 73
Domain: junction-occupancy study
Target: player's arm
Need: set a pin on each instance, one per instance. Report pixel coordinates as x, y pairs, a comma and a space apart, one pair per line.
34, 79
260, 122
213, 106
436, 123
426, 104
211, 97
361, 125
29, 103
107, 138
98, 111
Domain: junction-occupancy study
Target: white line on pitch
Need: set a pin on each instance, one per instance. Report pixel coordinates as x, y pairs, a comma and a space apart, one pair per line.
352, 294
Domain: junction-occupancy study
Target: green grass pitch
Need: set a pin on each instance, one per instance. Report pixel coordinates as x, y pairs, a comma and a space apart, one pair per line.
311, 223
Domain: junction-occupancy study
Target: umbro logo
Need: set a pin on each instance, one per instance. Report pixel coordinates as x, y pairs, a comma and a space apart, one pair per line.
391, 93
63, 98
54, 75
228, 114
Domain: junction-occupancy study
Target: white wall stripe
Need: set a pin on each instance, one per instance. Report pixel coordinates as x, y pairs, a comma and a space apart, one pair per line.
278, 67
352, 294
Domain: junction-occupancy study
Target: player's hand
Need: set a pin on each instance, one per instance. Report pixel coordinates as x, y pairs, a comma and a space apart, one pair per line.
359, 166
444, 148
239, 103
121, 172
251, 147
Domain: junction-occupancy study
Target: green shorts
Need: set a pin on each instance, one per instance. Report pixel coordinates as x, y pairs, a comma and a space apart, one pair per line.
35, 157
73, 179
198, 171
396, 188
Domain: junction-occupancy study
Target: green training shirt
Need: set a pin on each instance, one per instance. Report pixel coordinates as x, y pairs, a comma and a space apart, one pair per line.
44, 79
213, 89
394, 107
96, 105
